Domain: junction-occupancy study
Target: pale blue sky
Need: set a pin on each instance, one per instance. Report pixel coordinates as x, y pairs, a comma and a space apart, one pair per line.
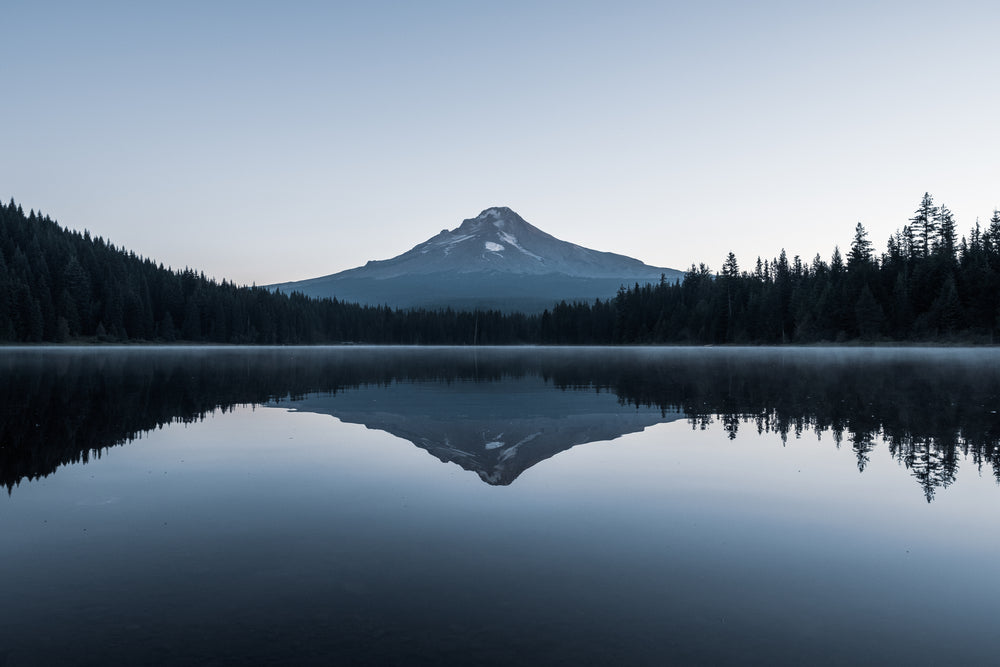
265, 142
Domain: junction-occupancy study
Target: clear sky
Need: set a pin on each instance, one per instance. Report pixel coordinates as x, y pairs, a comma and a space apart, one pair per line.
266, 142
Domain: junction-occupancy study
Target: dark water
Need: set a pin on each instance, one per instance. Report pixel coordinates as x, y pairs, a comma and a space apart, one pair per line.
513, 506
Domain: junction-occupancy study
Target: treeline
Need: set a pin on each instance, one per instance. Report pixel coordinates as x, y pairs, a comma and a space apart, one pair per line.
928, 285
58, 285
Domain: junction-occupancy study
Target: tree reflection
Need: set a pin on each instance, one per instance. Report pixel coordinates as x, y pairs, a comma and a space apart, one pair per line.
930, 408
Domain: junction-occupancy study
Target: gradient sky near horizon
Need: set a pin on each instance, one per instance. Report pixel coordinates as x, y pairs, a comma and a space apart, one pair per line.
266, 142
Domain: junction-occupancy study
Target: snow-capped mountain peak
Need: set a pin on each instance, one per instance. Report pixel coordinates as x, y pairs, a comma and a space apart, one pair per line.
495, 230
481, 260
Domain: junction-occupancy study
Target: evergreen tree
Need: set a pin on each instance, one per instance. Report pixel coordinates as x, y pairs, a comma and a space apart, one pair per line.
991, 240
836, 261
944, 225
861, 249
923, 225
909, 243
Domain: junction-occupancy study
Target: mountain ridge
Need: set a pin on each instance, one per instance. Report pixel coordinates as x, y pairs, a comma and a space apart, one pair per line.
501, 260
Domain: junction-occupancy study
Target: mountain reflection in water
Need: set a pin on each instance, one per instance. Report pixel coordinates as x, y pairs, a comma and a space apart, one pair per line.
499, 411
495, 429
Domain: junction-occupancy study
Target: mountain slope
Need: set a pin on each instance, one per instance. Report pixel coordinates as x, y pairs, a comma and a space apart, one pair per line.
495, 260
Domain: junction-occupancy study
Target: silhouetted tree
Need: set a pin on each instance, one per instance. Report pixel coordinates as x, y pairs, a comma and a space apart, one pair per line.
923, 225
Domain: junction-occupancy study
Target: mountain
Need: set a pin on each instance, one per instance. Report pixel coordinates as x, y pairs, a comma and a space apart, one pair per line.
495, 260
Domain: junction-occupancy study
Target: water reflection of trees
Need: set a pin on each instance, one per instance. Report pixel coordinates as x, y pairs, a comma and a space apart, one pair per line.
930, 412
930, 408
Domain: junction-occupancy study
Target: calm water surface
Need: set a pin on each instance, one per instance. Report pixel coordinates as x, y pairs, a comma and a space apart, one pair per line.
506, 506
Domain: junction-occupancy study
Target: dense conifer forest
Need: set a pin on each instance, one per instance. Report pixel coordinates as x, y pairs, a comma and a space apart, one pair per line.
58, 285
928, 285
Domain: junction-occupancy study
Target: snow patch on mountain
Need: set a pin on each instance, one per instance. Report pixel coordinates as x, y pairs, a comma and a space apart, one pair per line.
445, 244
512, 240
493, 247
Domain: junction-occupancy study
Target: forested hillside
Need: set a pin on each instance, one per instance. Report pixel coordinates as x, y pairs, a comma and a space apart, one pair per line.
58, 285
928, 285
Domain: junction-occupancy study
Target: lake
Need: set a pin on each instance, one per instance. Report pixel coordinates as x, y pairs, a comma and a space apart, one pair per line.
497, 506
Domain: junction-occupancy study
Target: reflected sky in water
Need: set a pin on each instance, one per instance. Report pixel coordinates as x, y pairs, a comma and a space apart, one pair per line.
318, 518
